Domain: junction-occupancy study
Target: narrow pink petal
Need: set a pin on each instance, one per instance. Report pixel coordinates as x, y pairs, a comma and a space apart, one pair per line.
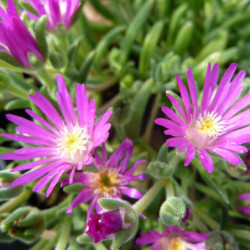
56, 180
71, 177
241, 104
125, 150
174, 132
172, 115
47, 108
193, 92
177, 106
194, 237
30, 165
238, 136
94, 204
183, 146
104, 153
168, 124
29, 127
185, 97
91, 120
41, 120
23, 154
233, 147
131, 192
102, 121
101, 135
175, 142
238, 121
150, 238
36, 174
223, 85
27, 139
206, 160
227, 155
244, 196
234, 92
82, 104
190, 154
136, 164
84, 196
66, 104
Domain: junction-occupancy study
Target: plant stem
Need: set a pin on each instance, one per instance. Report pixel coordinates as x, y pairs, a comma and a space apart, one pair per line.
64, 236
169, 189
50, 244
16, 202
45, 79
143, 203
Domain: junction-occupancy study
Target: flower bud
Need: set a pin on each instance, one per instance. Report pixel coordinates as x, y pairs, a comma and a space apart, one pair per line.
172, 211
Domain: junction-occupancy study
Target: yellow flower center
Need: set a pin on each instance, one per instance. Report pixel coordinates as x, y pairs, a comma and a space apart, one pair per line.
73, 144
177, 244
105, 182
210, 125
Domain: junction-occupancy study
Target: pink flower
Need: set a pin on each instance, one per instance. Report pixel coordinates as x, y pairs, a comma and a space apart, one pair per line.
57, 11
100, 226
63, 143
110, 181
220, 125
174, 238
15, 38
245, 209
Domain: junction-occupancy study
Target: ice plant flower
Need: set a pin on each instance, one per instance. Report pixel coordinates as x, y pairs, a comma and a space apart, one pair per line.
100, 226
15, 38
110, 181
173, 238
245, 209
63, 143
219, 125
58, 12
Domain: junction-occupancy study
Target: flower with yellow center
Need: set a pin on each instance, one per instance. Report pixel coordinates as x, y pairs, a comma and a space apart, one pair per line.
174, 238
111, 179
220, 124
64, 139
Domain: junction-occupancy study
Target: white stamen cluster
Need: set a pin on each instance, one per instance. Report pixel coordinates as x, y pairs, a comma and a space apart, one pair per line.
73, 143
210, 124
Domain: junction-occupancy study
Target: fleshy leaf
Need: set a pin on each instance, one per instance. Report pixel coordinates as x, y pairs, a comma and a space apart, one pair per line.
172, 211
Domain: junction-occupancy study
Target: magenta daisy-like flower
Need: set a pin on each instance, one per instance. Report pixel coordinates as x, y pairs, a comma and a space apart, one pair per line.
58, 12
15, 38
244, 209
219, 125
110, 181
174, 238
63, 143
